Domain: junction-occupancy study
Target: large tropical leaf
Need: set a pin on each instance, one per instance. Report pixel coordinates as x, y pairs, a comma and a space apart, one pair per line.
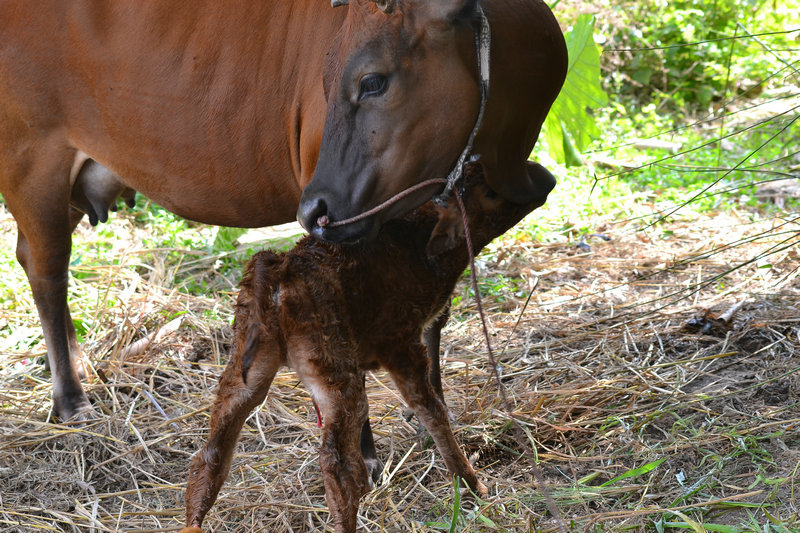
569, 128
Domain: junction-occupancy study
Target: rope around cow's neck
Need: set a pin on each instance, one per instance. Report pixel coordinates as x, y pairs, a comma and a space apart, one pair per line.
483, 41
483, 44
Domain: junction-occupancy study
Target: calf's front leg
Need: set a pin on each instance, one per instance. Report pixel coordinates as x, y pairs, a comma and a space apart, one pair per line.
431, 338
409, 371
368, 452
338, 389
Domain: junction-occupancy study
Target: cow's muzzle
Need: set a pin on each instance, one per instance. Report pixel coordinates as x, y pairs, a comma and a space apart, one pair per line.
314, 215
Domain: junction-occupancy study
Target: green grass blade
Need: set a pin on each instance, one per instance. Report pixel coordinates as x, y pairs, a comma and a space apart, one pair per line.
721, 528
456, 503
636, 472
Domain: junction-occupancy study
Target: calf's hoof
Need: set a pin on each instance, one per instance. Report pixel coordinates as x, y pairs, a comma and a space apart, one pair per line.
374, 469
74, 408
480, 491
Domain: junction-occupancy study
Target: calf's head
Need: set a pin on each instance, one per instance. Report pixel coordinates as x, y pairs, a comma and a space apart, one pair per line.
487, 213
402, 90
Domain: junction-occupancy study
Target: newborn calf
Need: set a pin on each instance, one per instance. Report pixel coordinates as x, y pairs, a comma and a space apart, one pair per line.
333, 311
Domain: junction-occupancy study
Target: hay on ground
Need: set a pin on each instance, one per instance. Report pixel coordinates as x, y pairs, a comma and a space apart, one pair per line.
621, 360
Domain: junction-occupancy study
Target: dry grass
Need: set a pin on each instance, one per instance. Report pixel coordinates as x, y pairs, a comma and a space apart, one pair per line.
602, 369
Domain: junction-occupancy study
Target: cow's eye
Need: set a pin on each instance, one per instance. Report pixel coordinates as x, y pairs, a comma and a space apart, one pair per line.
372, 85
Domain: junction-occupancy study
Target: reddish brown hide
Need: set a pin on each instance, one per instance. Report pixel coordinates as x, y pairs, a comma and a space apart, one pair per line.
332, 311
216, 112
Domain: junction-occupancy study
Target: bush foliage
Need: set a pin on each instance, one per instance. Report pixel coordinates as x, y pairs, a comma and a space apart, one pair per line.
687, 55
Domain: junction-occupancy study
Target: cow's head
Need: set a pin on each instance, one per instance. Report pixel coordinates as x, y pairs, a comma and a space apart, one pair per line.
402, 90
403, 95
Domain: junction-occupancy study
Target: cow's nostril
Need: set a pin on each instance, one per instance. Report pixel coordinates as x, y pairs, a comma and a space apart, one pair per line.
313, 213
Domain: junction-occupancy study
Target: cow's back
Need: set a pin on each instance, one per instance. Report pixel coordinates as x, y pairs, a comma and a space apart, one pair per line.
213, 110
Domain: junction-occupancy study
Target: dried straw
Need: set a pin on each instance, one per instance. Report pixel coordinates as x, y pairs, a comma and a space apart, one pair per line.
602, 370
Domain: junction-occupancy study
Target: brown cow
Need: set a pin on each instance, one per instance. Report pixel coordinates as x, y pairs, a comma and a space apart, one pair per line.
216, 112
331, 311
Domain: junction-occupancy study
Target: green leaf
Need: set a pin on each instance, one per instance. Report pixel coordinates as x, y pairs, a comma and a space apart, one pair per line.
694, 526
569, 128
226, 238
636, 472
80, 329
487, 521
572, 156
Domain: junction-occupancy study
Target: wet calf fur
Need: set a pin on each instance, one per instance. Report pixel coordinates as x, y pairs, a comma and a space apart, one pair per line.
331, 312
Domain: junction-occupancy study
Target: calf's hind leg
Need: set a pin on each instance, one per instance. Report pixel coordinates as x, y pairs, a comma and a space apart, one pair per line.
234, 402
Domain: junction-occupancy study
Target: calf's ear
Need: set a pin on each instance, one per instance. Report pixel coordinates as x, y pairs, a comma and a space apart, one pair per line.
462, 9
387, 6
446, 235
448, 11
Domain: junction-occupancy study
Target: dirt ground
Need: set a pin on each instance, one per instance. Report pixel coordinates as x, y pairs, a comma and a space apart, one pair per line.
648, 410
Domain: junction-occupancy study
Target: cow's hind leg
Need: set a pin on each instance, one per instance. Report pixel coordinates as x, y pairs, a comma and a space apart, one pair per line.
37, 194
72, 337
409, 371
239, 393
